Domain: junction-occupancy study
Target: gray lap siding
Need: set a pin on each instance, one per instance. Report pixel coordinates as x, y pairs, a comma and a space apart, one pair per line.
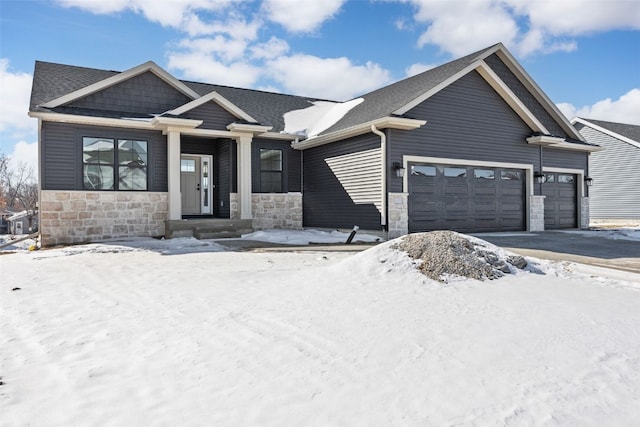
146, 93
61, 154
326, 203
467, 120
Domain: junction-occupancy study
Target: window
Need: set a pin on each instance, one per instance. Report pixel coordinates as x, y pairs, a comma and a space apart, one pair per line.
565, 179
100, 157
511, 175
455, 172
187, 165
550, 178
484, 173
422, 170
270, 170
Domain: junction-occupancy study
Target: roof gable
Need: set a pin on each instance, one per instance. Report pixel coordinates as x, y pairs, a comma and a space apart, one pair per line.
400, 97
217, 99
145, 93
115, 79
621, 131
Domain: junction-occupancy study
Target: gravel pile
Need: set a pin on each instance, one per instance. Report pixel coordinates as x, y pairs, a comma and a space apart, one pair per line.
446, 253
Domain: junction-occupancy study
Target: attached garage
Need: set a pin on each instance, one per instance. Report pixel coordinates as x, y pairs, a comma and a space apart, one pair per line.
466, 198
560, 203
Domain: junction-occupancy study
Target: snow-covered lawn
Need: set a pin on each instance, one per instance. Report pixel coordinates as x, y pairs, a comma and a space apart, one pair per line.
185, 333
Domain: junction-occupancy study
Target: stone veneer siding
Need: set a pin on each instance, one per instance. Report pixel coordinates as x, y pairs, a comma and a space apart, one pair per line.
536, 213
584, 213
234, 206
276, 210
68, 217
398, 214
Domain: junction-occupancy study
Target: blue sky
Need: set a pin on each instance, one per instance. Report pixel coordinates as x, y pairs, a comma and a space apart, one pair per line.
585, 54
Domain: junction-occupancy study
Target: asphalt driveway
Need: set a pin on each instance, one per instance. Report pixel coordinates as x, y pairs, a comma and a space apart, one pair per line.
576, 246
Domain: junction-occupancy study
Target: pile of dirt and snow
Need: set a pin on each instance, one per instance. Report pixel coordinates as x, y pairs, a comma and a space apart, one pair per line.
444, 254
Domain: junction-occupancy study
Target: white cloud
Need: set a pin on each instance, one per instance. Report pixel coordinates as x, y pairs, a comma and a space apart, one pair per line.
335, 79
179, 14
460, 28
301, 17
273, 48
414, 69
625, 109
204, 67
527, 27
15, 91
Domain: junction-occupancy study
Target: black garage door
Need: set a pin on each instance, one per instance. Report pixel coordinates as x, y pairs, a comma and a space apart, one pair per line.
466, 199
560, 203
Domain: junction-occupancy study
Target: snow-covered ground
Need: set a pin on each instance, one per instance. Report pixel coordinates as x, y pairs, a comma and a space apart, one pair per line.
183, 332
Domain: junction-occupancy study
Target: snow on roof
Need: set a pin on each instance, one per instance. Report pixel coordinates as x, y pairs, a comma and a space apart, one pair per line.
311, 121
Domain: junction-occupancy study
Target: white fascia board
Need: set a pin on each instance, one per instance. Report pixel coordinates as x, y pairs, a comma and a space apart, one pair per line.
248, 128
559, 142
218, 99
171, 122
509, 97
537, 92
120, 77
208, 133
606, 131
95, 121
382, 123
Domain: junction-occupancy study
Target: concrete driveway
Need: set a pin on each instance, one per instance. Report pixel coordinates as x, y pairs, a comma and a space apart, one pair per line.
576, 246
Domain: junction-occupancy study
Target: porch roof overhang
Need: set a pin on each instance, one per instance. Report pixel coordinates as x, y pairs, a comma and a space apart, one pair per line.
166, 124
561, 143
254, 129
389, 122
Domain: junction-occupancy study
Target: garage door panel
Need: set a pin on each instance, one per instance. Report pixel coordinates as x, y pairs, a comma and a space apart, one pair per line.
469, 199
560, 204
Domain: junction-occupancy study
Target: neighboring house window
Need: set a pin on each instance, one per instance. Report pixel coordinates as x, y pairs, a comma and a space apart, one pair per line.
270, 170
100, 157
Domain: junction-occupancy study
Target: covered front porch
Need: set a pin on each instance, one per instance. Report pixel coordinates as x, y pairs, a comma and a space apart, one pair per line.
210, 181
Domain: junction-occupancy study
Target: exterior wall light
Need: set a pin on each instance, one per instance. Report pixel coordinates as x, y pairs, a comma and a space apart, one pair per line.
539, 176
588, 180
397, 166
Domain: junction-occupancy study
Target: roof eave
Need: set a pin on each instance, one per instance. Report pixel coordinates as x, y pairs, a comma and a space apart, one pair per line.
561, 143
605, 131
401, 123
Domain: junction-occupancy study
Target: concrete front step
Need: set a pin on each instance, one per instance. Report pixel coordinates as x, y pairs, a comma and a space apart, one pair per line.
208, 228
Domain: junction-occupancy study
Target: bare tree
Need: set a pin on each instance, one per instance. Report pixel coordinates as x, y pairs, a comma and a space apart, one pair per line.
18, 187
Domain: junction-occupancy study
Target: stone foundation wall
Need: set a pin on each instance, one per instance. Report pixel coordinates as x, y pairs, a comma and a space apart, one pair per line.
584, 213
398, 215
277, 211
536, 213
68, 217
234, 206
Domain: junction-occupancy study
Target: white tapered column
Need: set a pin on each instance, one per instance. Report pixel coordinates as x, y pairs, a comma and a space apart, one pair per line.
244, 176
173, 166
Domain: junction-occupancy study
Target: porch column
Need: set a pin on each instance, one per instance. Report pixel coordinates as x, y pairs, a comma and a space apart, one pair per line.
244, 176
173, 169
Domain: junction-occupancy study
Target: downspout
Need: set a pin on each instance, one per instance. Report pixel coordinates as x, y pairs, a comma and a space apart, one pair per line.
383, 186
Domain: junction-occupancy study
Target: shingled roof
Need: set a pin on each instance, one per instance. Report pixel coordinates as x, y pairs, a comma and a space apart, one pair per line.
628, 131
52, 81
385, 101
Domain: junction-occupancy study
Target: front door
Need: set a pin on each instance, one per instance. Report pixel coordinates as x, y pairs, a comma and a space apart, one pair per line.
196, 184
